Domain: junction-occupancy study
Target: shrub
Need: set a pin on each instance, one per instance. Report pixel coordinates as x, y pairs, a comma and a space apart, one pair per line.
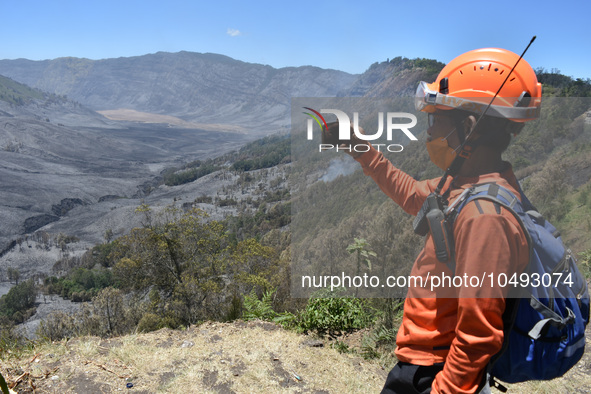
329, 313
56, 326
18, 300
149, 322
371, 343
11, 341
262, 309
259, 309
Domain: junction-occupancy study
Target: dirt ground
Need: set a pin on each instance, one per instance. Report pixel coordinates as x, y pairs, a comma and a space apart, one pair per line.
238, 357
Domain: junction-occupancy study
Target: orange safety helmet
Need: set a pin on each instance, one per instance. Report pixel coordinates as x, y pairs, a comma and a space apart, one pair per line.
470, 81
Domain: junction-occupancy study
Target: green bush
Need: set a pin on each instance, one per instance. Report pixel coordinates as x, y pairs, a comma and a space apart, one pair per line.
11, 341
262, 309
149, 322
330, 313
341, 347
190, 175
81, 284
325, 313
18, 300
259, 309
265, 153
372, 342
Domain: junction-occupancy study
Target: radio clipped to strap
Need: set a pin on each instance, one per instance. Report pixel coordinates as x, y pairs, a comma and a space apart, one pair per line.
437, 219
432, 219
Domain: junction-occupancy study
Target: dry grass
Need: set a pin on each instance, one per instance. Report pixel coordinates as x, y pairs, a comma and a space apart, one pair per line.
239, 357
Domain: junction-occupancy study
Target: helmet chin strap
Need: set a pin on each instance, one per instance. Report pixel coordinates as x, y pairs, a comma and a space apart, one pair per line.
468, 146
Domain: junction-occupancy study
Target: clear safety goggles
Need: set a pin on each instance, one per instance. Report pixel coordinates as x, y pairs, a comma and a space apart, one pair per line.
427, 100
425, 97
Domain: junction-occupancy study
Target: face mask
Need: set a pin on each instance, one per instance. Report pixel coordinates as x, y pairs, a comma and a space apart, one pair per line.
440, 152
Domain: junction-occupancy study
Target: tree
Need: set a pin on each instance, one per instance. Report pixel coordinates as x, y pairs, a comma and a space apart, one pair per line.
108, 235
255, 267
13, 274
18, 300
361, 247
109, 308
180, 254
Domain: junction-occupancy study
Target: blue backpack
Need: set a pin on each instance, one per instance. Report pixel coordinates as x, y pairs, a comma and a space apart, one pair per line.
544, 330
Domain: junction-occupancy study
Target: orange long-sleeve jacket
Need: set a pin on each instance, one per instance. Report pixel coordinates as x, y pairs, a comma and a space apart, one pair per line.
467, 330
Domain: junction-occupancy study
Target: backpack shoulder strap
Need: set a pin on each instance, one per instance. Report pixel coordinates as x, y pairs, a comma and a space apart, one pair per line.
498, 195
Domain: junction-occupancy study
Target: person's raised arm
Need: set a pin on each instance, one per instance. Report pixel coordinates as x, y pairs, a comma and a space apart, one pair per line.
395, 183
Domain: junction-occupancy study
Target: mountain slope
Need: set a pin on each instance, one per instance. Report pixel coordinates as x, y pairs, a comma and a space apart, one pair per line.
57, 155
193, 86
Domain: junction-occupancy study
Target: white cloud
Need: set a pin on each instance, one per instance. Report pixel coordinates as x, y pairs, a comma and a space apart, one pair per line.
233, 32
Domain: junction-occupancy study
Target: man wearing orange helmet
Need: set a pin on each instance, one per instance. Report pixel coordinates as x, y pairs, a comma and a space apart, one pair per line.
447, 338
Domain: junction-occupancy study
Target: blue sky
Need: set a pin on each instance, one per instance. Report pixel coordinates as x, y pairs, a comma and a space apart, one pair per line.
343, 35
